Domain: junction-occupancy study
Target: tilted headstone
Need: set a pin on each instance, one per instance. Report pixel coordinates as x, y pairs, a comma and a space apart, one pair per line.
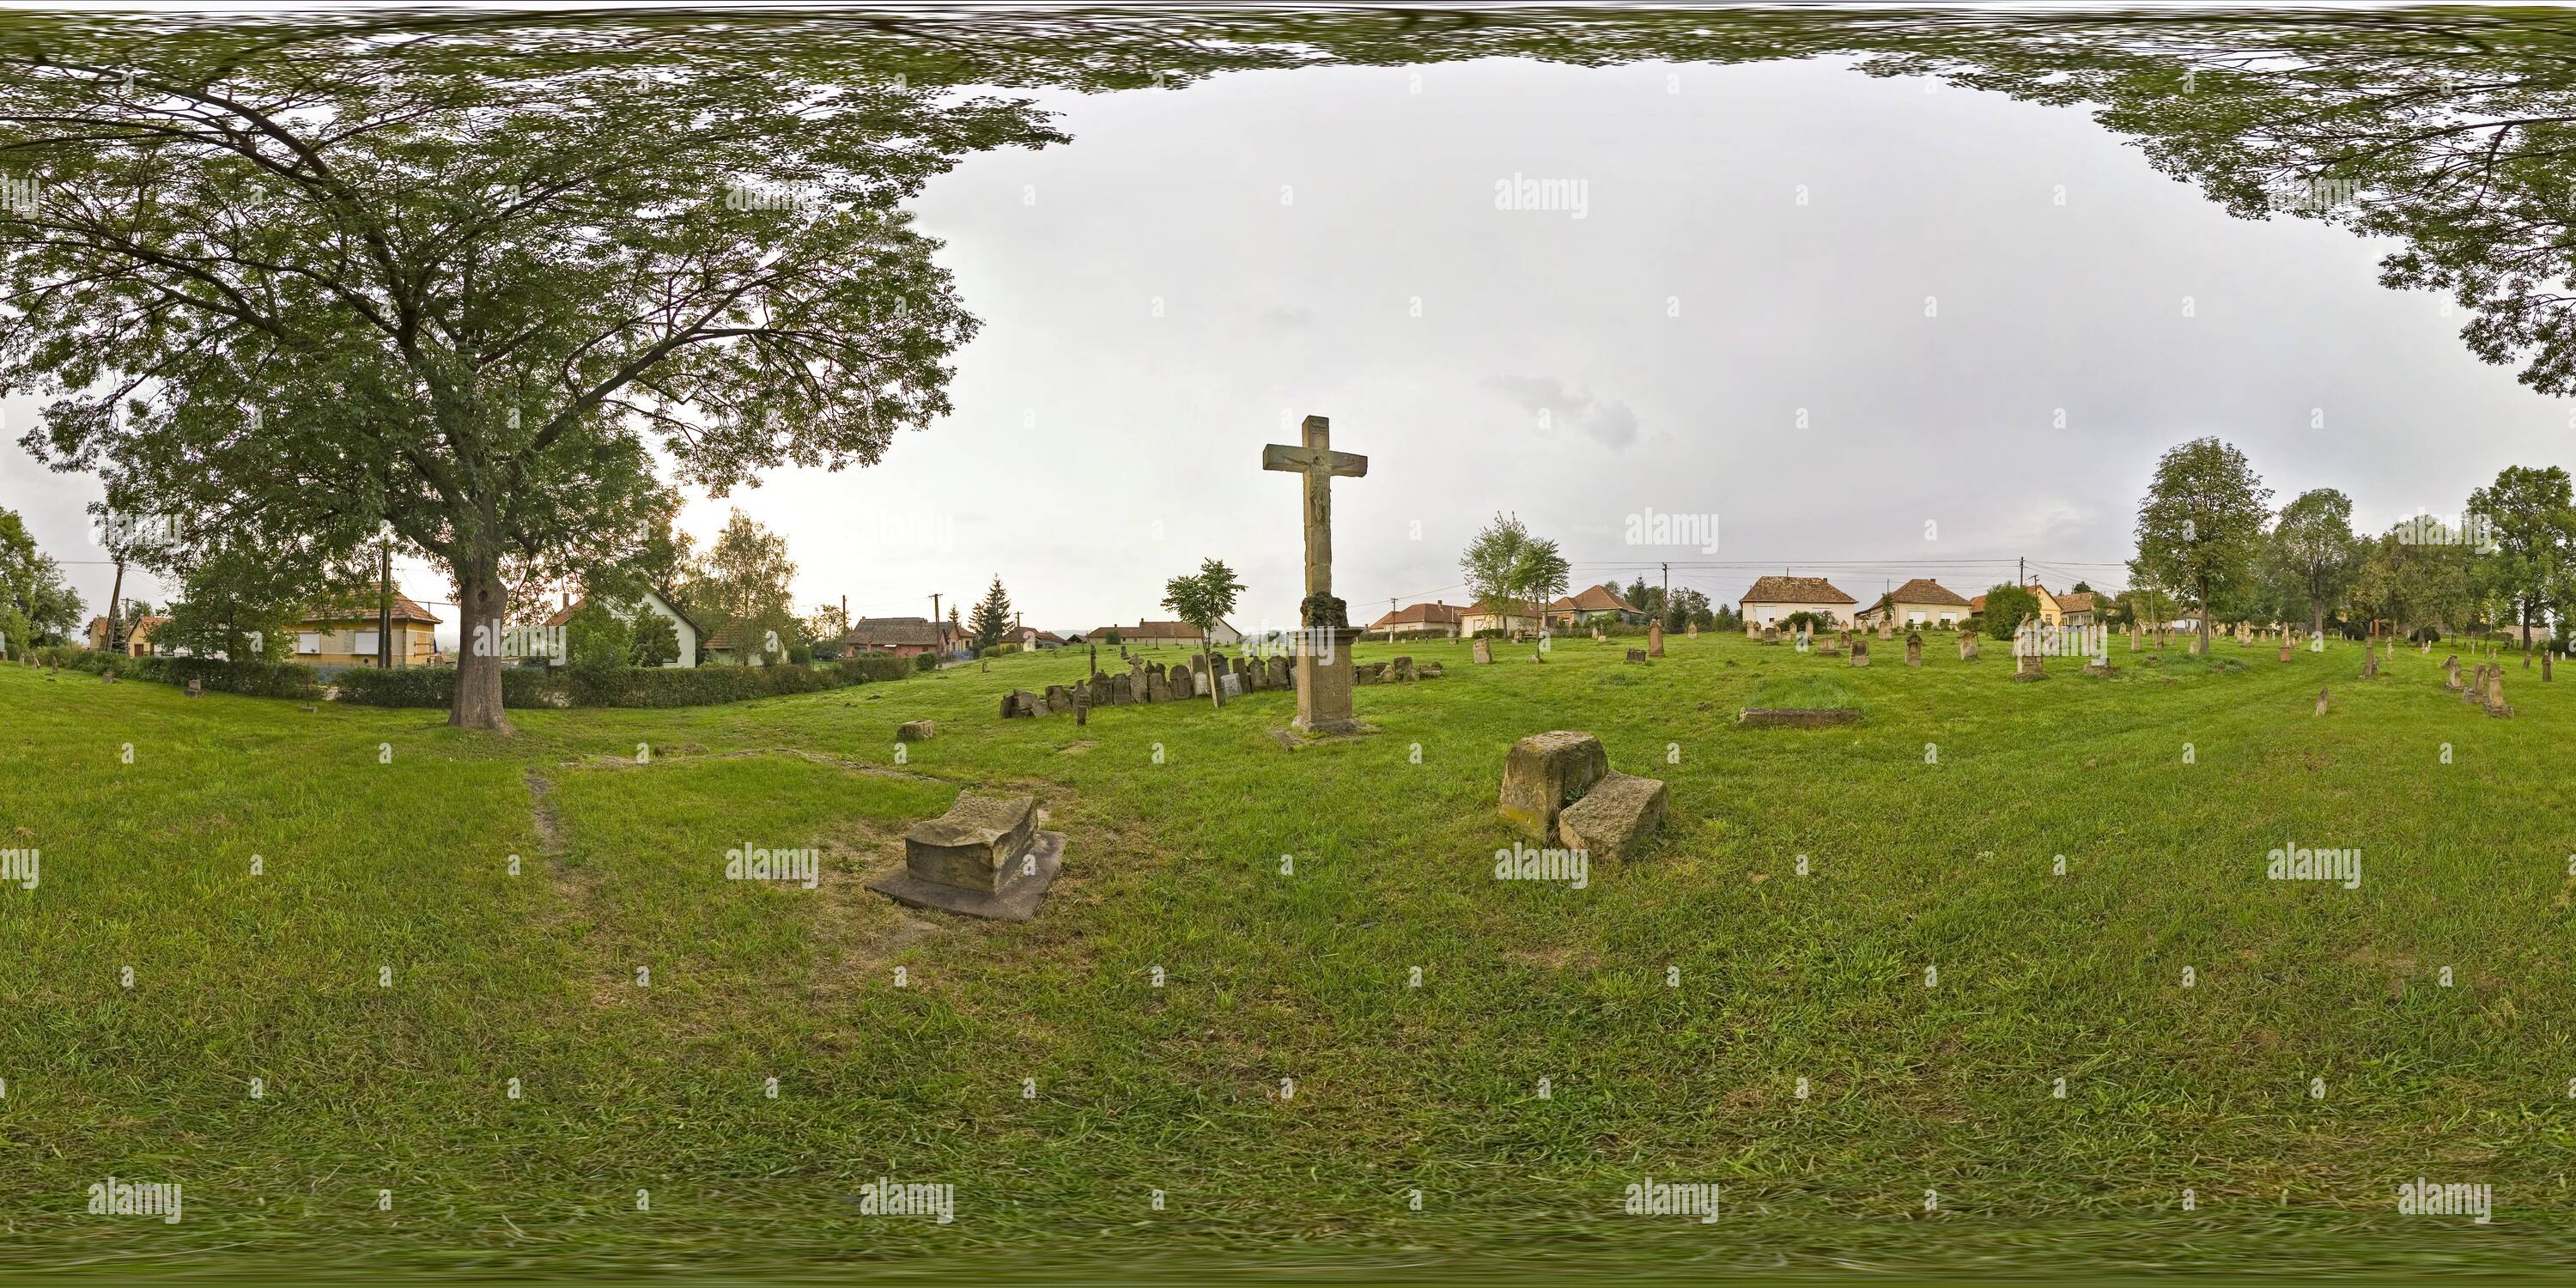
1280, 673
1403, 669
1483, 652
985, 857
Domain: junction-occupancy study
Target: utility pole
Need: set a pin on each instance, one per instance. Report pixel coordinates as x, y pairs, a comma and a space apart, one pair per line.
385, 602
2021, 571
934, 608
1390, 619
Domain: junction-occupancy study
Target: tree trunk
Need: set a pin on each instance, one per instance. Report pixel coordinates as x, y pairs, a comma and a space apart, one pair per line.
115, 591
482, 605
1207, 669
2316, 617
2526, 634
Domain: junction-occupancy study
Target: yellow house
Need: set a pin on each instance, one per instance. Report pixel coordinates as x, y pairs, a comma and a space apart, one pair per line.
2052, 611
345, 635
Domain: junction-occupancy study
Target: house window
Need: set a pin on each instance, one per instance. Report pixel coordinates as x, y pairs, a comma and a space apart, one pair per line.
367, 641
308, 641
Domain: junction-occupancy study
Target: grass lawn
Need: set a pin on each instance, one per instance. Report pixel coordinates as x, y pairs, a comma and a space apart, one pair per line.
1285, 1088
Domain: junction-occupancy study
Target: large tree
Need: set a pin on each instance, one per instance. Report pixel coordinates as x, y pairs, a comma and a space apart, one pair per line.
471, 291
992, 618
1202, 599
36, 605
2311, 554
2200, 526
741, 590
2533, 528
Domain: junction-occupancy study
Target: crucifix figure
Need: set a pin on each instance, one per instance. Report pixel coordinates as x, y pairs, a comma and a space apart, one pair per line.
1324, 661
1316, 460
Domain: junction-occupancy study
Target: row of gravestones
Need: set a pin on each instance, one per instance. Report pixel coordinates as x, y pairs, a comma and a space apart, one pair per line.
1399, 671
2484, 689
1147, 682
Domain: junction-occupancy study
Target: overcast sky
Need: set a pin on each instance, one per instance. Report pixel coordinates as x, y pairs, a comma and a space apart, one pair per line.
1199, 268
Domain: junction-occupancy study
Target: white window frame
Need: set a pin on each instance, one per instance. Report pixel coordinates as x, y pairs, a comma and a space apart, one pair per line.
308, 642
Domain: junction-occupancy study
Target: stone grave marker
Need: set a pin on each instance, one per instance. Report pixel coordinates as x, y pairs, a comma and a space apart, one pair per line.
1230, 684
914, 731
1693, 630
1324, 655
1967, 646
2029, 666
1655, 638
1770, 634
1860, 651
985, 857
2321, 702
1914, 648
1545, 772
1483, 652
196, 688
1403, 669
1636, 655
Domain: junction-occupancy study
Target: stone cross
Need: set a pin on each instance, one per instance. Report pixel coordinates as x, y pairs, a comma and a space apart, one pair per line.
1315, 459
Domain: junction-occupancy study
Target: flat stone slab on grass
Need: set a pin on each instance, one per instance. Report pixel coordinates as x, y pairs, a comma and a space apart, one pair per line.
1795, 717
1545, 771
1613, 820
914, 731
1017, 901
974, 845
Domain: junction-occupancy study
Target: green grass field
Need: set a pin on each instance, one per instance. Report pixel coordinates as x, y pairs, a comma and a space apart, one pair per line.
1039, 1070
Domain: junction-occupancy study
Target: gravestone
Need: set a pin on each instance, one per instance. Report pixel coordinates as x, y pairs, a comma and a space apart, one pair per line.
985, 857
1158, 688
1770, 634
107, 678
2285, 650
1693, 630
1403, 669
2029, 666
2133, 637
914, 731
1860, 651
1598, 636
1185, 684
197, 688
2321, 702
1428, 671
1324, 654
1886, 629
2316, 641
1230, 685
1483, 652
1967, 647
1655, 638
1636, 655
2369, 665
1121, 693
2495, 703
1613, 819
1281, 675
1544, 773
1913, 648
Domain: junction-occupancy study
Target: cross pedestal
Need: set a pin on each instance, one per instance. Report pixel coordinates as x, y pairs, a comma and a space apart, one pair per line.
1324, 645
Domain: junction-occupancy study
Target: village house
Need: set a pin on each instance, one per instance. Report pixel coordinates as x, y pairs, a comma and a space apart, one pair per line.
2082, 608
1774, 599
2052, 611
1510, 621
1032, 638
1156, 634
1438, 617
1591, 604
901, 636
1920, 602
653, 602
346, 635
138, 641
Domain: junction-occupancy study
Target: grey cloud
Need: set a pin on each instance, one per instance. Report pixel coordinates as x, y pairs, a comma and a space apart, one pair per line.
1607, 420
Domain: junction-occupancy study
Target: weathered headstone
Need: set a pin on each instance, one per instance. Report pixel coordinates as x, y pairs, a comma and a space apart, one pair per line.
2285, 650
2495, 703
1636, 655
1158, 688
1694, 630
1281, 675
1483, 652
2321, 702
1860, 651
1655, 638
2029, 666
1185, 684
1770, 634
1914, 648
914, 731
197, 688
1886, 629
1967, 646
1403, 669
1324, 654
1544, 773
985, 857
1612, 820
1121, 693
1597, 635
1230, 685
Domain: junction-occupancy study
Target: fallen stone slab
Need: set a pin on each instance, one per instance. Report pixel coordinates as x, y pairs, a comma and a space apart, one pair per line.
914, 731
1018, 901
1613, 820
1545, 772
1796, 717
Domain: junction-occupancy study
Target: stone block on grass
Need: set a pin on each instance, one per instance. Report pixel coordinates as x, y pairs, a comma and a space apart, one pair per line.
1544, 773
1613, 820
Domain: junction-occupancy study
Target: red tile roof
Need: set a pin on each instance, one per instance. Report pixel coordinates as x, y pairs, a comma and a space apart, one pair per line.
1794, 590
404, 610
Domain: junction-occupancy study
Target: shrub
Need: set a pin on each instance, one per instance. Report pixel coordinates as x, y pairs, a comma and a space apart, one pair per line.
254, 679
435, 686
925, 661
2007, 606
997, 650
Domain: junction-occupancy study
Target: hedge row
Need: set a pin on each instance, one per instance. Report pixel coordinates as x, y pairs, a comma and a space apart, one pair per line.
255, 679
526, 687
